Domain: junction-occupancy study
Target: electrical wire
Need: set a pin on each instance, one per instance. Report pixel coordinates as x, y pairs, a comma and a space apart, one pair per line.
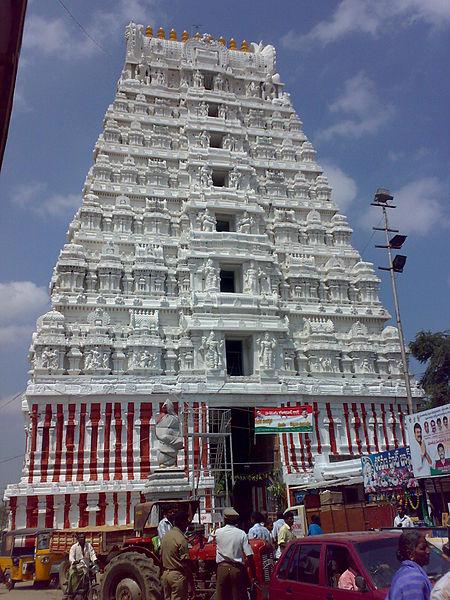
11, 400
86, 33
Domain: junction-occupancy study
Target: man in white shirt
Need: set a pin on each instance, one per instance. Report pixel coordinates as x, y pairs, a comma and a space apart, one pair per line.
259, 530
277, 526
81, 552
232, 549
165, 525
420, 458
402, 519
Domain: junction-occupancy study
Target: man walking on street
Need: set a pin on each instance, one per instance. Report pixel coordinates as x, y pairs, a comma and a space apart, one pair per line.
177, 578
231, 551
285, 534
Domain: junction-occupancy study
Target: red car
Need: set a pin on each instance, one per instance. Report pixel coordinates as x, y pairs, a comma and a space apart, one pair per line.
310, 567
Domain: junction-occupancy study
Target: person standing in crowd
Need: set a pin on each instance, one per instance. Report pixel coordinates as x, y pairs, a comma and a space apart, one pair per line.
232, 549
402, 519
441, 590
177, 577
258, 529
411, 582
285, 534
277, 526
315, 528
165, 525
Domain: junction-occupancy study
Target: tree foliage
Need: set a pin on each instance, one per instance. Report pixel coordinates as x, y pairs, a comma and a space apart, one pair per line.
434, 349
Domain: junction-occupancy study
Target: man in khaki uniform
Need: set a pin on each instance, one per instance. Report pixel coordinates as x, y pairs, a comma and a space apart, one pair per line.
177, 578
232, 550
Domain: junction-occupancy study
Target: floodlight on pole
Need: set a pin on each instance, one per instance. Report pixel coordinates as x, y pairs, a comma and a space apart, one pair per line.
382, 200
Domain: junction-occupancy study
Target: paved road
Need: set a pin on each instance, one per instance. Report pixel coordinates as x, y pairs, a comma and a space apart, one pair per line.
24, 591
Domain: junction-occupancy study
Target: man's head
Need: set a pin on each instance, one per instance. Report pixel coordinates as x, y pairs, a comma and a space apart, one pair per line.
426, 427
401, 509
257, 517
81, 537
433, 426
412, 545
441, 451
170, 512
231, 516
280, 514
315, 519
181, 520
289, 518
445, 422
418, 432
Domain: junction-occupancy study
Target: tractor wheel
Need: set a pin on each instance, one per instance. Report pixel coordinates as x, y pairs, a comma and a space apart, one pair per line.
63, 572
131, 576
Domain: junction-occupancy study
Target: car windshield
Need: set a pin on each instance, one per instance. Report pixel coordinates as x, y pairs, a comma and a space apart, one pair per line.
379, 556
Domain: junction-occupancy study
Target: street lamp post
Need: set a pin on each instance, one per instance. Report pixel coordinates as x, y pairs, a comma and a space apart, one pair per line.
396, 264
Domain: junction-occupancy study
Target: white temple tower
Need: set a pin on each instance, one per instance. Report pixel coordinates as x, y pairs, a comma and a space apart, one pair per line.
207, 261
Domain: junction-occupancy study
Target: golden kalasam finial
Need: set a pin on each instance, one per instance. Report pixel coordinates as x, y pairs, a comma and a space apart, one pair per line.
244, 46
198, 35
149, 31
184, 36
161, 34
222, 41
232, 44
172, 34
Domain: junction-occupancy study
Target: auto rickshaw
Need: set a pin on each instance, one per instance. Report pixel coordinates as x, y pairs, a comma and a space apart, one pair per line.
25, 556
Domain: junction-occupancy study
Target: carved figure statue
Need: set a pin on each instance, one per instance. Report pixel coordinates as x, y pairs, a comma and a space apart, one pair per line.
50, 359
168, 434
204, 139
246, 223
223, 111
105, 360
251, 280
228, 142
268, 88
92, 360
210, 273
267, 346
206, 176
212, 351
198, 79
202, 109
234, 178
219, 83
208, 221
252, 89
264, 282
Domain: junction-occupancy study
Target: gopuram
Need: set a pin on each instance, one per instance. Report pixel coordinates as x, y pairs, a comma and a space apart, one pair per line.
208, 264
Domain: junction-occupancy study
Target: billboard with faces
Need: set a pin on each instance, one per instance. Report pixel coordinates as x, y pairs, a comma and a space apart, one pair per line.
429, 441
389, 470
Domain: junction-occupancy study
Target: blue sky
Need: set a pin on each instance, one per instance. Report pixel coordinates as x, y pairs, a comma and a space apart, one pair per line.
368, 79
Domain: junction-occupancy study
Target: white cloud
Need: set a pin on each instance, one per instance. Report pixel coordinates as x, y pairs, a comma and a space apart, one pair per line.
344, 187
421, 208
34, 196
361, 110
21, 302
369, 17
61, 37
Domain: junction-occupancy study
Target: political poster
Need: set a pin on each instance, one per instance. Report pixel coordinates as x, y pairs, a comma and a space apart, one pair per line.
284, 419
429, 440
389, 470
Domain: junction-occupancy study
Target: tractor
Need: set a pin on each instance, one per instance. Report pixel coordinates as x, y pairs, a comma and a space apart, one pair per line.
132, 572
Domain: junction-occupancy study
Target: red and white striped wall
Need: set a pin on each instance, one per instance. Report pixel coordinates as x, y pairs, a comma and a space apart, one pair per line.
345, 428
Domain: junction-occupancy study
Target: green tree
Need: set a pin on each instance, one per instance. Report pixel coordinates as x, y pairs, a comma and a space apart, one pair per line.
434, 349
